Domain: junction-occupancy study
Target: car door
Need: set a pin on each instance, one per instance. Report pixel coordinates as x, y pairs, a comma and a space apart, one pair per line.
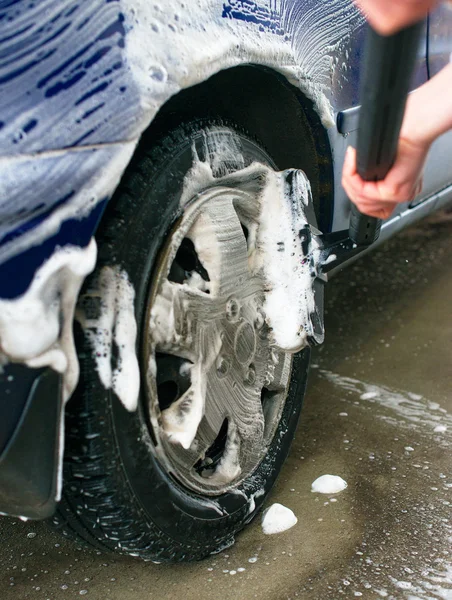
438, 176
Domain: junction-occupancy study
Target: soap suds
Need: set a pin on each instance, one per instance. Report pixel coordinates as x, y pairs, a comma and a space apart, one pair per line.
289, 300
100, 169
368, 395
36, 328
440, 429
328, 484
276, 519
112, 331
274, 244
229, 467
252, 500
203, 43
181, 420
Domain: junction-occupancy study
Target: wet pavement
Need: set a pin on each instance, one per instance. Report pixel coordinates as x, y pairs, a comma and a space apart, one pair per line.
378, 412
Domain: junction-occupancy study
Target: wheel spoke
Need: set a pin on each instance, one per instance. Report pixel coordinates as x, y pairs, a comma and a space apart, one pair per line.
242, 406
221, 246
176, 328
278, 371
229, 467
181, 420
174, 325
248, 418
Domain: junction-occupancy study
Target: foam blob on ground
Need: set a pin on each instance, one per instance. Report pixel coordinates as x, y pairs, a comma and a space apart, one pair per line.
277, 518
368, 395
440, 429
328, 484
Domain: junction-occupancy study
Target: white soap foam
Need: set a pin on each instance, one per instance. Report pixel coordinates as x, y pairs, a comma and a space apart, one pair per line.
252, 500
440, 429
115, 324
368, 395
181, 426
277, 518
290, 300
328, 484
275, 249
36, 328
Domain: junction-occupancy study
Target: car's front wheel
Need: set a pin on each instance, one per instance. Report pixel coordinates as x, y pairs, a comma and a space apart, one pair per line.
185, 408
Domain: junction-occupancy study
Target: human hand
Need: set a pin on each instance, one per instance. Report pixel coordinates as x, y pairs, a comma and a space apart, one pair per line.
388, 16
402, 183
428, 114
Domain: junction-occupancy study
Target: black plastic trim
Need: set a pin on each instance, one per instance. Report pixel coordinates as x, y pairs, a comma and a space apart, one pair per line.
348, 120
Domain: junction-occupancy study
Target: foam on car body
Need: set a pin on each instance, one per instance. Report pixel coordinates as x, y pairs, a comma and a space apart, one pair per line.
36, 328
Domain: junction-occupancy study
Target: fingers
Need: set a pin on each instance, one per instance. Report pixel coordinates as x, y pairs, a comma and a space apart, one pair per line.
402, 184
378, 210
366, 195
379, 191
352, 182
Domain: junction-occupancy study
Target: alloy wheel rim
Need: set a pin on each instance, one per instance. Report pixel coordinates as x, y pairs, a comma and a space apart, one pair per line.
216, 386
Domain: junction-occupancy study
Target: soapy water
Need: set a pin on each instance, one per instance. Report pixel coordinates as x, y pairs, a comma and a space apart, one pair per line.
411, 410
422, 569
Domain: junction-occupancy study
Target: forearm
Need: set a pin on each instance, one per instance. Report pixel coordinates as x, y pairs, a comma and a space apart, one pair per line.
429, 110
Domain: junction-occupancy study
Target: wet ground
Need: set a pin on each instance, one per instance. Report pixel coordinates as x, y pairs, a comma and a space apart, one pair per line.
378, 412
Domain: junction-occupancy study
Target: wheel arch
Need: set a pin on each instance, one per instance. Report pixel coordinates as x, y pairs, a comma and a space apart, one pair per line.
265, 105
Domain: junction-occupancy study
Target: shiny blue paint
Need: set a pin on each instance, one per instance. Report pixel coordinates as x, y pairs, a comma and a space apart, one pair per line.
66, 58
16, 272
267, 17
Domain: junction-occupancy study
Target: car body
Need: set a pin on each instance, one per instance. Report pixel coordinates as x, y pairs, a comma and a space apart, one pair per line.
79, 84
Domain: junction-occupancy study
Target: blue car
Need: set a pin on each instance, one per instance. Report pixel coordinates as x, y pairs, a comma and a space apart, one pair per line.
156, 306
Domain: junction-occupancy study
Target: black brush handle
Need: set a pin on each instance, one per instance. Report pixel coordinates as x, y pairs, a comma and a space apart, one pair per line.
387, 71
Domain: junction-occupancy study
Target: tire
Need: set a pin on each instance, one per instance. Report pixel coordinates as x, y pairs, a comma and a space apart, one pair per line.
117, 493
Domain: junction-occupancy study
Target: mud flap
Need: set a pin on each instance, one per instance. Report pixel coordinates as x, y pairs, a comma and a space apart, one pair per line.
30, 441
